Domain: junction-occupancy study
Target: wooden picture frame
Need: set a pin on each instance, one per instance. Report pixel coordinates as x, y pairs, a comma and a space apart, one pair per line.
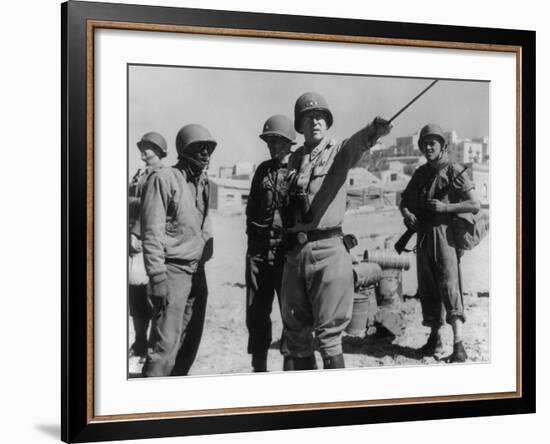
80, 20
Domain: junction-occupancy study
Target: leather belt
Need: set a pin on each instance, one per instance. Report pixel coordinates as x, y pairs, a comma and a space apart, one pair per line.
303, 237
175, 261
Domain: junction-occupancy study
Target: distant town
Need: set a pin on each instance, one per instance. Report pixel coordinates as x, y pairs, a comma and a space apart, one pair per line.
376, 183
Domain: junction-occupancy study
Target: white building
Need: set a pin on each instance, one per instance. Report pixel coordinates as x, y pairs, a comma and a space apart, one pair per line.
359, 178
225, 172
387, 176
229, 195
407, 145
479, 174
467, 151
243, 168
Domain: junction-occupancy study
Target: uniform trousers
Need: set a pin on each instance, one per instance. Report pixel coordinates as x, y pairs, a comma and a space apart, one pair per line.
177, 323
263, 281
317, 297
438, 276
139, 302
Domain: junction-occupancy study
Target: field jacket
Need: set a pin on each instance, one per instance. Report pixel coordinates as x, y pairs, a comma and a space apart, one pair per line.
263, 222
175, 225
446, 183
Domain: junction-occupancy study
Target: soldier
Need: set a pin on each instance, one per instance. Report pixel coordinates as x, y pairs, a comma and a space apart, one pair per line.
177, 242
265, 255
436, 191
317, 288
153, 149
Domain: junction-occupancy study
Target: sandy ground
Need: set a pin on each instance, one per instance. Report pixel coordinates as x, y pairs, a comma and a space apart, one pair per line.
223, 347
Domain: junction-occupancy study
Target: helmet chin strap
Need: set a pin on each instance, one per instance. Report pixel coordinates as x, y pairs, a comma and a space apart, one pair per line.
443, 151
196, 165
441, 160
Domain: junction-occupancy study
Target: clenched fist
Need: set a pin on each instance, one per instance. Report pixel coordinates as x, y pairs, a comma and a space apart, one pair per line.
379, 127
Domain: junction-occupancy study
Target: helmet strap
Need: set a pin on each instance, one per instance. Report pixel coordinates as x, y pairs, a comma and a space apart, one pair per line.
194, 165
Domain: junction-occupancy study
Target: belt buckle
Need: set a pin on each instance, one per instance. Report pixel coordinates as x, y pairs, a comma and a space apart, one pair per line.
301, 237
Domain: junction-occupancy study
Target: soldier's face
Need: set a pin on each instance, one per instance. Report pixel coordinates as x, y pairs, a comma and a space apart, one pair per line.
201, 152
149, 157
278, 148
431, 148
314, 126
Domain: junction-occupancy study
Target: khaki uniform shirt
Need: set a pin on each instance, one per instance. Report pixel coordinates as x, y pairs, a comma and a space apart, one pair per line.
322, 172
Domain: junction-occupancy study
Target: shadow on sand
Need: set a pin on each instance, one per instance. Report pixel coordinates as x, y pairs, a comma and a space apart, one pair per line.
234, 284
378, 347
375, 346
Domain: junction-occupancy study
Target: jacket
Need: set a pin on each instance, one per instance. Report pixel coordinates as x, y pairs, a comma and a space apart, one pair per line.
175, 224
263, 221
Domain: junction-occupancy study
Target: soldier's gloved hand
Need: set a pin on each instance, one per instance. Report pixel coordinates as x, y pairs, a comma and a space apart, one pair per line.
159, 286
379, 127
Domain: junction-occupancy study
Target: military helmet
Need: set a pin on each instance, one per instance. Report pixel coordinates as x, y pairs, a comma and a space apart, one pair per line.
193, 133
278, 125
153, 141
431, 129
308, 102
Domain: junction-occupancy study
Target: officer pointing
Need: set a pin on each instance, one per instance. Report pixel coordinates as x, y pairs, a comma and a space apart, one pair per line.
317, 288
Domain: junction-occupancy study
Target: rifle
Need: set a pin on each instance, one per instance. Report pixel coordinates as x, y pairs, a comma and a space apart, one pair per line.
406, 236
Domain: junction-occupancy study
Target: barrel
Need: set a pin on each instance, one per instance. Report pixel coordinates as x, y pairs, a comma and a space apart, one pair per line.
387, 259
390, 288
364, 310
366, 274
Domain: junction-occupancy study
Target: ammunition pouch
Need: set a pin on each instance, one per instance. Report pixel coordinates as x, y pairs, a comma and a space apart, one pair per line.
265, 241
350, 241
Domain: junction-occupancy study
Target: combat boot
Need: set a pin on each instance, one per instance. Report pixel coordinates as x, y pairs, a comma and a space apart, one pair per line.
288, 364
459, 354
259, 362
336, 361
306, 363
433, 346
139, 347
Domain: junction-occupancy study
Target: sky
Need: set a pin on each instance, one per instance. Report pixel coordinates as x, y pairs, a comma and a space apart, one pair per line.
234, 104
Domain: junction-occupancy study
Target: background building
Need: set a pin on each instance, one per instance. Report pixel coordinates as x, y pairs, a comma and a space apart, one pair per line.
229, 195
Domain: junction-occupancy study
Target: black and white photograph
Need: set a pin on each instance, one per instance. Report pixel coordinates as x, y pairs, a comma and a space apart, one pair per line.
305, 221
280, 222
275, 222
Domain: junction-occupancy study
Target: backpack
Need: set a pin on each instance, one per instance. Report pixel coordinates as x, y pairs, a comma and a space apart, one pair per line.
470, 229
